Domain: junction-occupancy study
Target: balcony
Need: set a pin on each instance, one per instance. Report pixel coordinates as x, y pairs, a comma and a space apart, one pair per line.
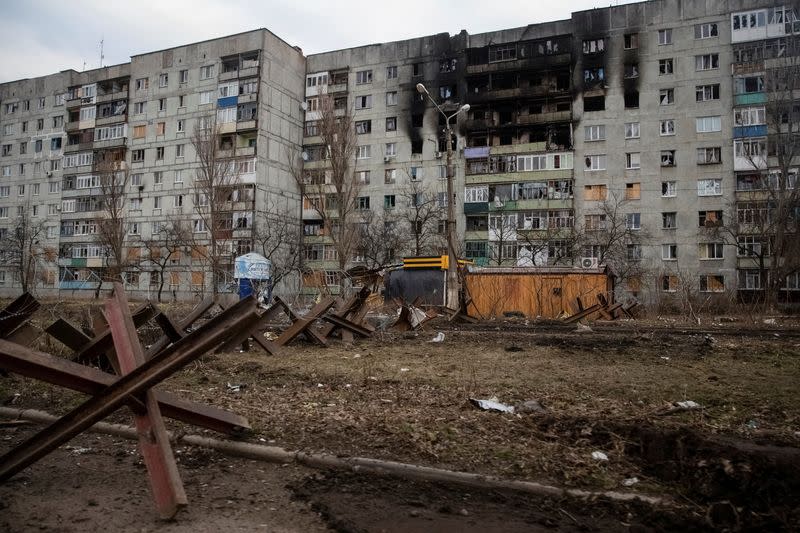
337, 88
247, 98
110, 120
73, 126
80, 147
517, 177
244, 151
245, 125
110, 143
740, 132
476, 208
536, 91
110, 97
543, 118
532, 63
476, 235
749, 99
74, 103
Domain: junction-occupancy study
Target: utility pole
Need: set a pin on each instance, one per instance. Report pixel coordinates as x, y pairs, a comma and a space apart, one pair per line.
452, 282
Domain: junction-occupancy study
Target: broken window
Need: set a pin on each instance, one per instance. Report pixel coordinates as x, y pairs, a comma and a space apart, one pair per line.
631, 70
504, 52
593, 76
632, 100
594, 103
709, 218
666, 66
631, 41
594, 46
666, 96
667, 158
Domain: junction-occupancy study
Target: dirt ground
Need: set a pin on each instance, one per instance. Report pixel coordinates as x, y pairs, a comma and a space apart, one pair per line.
734, 464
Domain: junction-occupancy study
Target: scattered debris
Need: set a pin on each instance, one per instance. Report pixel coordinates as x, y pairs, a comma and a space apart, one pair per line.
583, 328
236, 388
530, 406
677, 407
599, 456
770, 321
664, 357
405, 369
513, 349
629, 482
438, 338
491, 405
514, 314
752, 424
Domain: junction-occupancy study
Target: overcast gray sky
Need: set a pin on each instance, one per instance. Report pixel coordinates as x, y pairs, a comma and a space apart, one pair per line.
43, 36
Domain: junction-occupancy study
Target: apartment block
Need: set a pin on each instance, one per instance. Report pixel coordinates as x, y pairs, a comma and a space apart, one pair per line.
137, 121
631, 136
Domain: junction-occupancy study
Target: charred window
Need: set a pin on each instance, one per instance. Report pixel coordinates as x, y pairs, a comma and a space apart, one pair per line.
416, 120
505, 52
594, 103
632, 100
416, 147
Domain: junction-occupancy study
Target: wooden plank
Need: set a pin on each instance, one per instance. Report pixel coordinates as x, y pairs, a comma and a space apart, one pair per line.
68, 334
165, 481
160, 367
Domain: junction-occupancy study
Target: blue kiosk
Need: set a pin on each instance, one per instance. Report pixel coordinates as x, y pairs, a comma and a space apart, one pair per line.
253, 273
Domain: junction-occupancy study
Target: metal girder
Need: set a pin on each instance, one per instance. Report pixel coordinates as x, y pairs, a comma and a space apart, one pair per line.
17, 313
165, 481
103, 342
338, 321
163, 365
303, 325
89, 380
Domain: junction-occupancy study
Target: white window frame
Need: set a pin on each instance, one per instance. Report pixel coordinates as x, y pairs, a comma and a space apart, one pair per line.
632, 130
709, 187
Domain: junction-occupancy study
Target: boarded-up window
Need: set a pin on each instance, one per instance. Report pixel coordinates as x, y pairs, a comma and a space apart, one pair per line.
669, 283
198, 252
49, 277
713, 283
595, 192
155, 252
139, 132
633, 191
634, 284
174, 279
198, 280
134, 254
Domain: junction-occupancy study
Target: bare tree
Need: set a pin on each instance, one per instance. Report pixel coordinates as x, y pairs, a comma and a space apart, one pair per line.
503, 237
163, 246
615, 236
111, 226
381, 239
334, 197
22, 248
215, 177
277, 237
421, 214
762, 223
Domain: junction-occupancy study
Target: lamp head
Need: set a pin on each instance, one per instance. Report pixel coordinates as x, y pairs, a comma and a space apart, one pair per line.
464, 108
421, 89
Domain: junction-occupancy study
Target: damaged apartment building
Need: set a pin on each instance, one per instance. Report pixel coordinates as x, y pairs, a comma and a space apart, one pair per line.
634, 136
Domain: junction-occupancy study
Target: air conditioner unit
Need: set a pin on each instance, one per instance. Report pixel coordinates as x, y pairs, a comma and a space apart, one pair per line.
437, 155
387, 158
590, 262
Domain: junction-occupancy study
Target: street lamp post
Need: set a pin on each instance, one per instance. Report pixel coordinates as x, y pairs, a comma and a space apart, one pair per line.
451, 300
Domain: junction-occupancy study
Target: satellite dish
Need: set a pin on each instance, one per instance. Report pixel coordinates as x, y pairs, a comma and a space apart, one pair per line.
303, 106
304, 155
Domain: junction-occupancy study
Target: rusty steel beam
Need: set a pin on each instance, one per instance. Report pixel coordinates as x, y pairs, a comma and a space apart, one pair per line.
183, 325
68, 335
102, 342
303, 324
89, 380
205, 338
165, 480
263, 319
17, 313
338, 321
25, 335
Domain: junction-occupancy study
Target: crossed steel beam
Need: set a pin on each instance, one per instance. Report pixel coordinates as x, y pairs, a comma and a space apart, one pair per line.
133, 388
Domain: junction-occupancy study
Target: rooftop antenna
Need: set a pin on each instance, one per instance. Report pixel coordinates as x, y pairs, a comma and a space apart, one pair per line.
101, 52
